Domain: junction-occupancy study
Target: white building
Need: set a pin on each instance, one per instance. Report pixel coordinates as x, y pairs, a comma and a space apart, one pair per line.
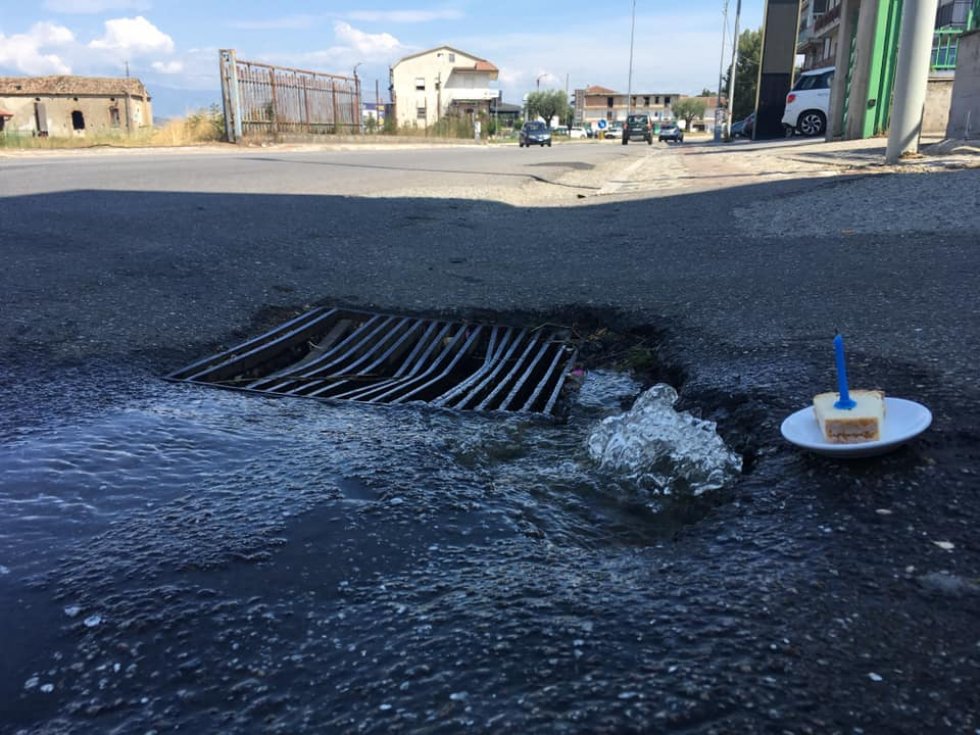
443, 81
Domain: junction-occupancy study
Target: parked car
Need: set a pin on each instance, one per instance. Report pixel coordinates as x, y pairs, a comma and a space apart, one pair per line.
614, 131
808, 103
744, 127
670, 132
578, 133
534, 133
638, 127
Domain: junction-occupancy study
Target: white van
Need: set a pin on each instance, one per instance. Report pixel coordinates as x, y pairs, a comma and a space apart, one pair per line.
808, 104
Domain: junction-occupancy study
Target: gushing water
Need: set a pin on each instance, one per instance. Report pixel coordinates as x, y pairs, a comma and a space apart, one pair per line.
664, 450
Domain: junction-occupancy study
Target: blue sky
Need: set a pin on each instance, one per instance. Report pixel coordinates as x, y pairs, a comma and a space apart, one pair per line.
172, 45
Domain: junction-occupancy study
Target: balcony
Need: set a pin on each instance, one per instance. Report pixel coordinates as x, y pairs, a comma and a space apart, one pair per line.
826, 19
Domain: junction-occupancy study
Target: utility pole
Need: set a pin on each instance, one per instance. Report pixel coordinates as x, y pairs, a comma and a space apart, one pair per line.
629, 78
719, 125
731, 80
911, 78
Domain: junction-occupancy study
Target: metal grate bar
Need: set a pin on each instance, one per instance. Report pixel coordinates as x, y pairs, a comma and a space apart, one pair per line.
492, 353
500, 362
349, 363
442, 349
400, 340
444, 376
501, 384
357, 340
244, 355
522, 380
559, 383
430, 341
379, 358
549, 376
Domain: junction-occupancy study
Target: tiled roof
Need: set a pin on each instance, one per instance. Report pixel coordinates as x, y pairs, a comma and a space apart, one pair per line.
596, 89
69, 85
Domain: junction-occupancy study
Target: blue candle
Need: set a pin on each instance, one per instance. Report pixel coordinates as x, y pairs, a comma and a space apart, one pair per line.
844, 399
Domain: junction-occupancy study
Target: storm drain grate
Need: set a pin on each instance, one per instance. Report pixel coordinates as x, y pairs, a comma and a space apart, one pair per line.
378, 358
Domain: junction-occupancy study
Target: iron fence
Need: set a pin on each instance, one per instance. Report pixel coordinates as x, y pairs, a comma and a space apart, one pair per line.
261, 100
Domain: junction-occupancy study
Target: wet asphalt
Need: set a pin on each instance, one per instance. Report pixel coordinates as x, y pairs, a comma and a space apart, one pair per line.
819, 596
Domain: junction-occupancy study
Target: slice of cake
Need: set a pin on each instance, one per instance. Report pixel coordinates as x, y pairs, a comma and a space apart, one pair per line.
863, 423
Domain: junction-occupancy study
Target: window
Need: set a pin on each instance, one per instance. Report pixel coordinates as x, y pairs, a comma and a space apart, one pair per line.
420, 113
656, 100
114, 117
666, 100
452, 57
420, 84
646, 101
609, 101
77, 120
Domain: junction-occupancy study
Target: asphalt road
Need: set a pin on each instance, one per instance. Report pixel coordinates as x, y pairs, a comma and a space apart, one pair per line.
153, 260
371, 171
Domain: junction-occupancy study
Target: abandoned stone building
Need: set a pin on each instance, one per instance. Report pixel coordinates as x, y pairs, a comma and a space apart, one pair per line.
66, 105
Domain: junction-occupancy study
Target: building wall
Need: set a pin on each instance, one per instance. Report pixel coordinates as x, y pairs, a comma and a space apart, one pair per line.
590, 108
939, 95
96, 115
964, 111
441, 85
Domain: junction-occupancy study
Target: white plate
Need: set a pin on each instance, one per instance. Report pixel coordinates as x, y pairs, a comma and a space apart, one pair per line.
903, 421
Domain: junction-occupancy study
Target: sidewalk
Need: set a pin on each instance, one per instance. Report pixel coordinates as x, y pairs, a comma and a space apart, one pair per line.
708, 166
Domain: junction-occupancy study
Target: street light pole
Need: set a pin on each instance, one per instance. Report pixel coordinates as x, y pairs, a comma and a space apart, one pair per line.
629, 78
719, 124
731, 79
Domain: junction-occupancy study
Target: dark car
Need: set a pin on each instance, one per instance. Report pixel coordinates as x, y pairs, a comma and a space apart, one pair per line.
744, 128
638, 127
670, 132
534, 133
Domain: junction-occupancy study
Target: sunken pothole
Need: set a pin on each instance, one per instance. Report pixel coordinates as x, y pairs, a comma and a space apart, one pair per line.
347, 355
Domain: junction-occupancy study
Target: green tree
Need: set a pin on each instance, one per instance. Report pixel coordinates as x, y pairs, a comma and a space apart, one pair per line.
749, 55
705, 92
688, 109
547, 104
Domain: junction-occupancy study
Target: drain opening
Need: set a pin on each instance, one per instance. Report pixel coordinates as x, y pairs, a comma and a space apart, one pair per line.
379, 358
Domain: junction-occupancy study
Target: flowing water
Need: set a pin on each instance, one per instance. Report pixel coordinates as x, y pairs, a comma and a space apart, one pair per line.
213, 561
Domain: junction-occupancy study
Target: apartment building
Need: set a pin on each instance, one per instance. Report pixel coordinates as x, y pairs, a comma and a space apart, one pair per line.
442, 81
819, 27
596, 103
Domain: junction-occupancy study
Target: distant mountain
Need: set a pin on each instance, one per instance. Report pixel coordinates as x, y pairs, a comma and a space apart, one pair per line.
171, 102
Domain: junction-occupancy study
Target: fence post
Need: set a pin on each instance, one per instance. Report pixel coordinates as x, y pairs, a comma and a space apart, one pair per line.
235, 113
272, 110
333, 91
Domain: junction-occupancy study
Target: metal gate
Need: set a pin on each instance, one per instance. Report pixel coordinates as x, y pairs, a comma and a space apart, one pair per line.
264, 101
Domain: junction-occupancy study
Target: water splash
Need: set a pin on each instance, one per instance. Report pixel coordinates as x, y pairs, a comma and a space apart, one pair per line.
662, 449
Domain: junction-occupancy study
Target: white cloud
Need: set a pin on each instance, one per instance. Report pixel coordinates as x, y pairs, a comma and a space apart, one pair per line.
367, 44
25, 52
168, 67
94, 6
133, 36
403, 16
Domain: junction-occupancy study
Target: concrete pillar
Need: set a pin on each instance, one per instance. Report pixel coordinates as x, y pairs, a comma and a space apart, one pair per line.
911, 78
848, 18
861, 72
